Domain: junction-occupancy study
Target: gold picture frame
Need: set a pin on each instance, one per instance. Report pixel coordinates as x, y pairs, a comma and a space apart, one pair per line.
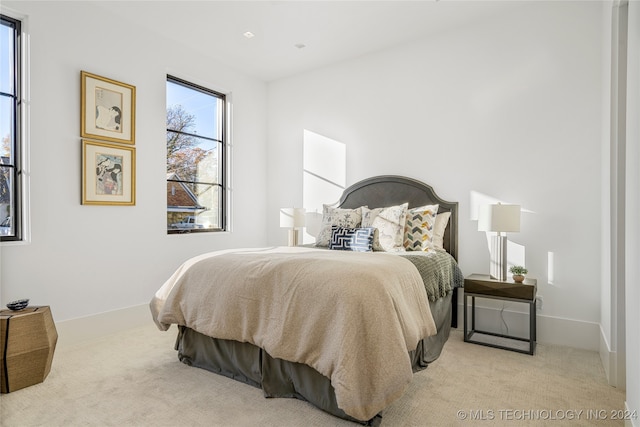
108, 174
108, 109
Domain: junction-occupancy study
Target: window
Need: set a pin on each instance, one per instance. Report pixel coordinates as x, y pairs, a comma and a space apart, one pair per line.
11, 197
196, 193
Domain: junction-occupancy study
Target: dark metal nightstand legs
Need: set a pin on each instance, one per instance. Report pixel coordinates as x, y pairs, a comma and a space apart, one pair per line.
468, 334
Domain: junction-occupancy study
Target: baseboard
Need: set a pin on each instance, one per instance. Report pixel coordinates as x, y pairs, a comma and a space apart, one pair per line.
608, 359
76, 331
550, 329
568, 332
631, 421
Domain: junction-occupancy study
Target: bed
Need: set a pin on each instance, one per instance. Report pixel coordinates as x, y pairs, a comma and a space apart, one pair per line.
343, 330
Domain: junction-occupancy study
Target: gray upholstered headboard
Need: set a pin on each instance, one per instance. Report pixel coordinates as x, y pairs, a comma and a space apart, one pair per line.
390, 190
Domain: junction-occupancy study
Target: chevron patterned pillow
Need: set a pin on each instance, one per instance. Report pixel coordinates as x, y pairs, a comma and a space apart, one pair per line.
351, 239
418, 229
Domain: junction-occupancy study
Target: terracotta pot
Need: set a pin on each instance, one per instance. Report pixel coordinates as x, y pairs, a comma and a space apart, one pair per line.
518, 278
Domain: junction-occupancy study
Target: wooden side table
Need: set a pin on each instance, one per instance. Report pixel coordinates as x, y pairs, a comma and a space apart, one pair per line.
483, 286
28, 340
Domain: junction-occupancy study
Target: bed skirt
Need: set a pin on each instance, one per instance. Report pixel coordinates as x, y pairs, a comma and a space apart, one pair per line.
252, 365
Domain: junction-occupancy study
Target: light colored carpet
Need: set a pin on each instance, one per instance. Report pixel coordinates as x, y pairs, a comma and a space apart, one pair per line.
135, 379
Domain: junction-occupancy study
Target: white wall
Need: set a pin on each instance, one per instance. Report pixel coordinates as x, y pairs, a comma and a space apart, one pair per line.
632, 291
86, 260
510, 107
527, 86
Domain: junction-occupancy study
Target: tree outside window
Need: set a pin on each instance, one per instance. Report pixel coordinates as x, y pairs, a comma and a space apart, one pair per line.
195, 158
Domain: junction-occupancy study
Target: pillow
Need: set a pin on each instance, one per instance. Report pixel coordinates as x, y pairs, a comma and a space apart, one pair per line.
418, 231
351, 239
389, 224
349, 218
442, 219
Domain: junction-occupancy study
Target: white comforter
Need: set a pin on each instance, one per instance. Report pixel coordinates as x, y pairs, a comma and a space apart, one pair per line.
351, 316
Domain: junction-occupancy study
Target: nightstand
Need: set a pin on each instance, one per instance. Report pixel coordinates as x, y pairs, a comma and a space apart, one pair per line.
483, 286
28, 340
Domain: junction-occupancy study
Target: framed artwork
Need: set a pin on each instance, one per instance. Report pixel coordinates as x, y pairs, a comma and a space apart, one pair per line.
108, 110
108, 174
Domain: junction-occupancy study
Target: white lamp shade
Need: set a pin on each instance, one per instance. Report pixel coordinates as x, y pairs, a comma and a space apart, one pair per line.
292, 217
500, 218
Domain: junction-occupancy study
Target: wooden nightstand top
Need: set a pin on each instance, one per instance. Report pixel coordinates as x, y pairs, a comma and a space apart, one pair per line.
483, 284
6, 313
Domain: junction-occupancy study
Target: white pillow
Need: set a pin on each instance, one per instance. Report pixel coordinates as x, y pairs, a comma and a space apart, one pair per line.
418, 231
389, 224
348, 218
442, 219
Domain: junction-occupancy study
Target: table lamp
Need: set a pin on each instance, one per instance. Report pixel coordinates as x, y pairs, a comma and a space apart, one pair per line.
292, 218
499, 218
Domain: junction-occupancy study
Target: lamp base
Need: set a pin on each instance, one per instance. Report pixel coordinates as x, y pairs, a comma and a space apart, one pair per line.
293, 237
498, 266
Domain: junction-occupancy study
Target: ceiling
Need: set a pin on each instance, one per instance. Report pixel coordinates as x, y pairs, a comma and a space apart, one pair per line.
291, 37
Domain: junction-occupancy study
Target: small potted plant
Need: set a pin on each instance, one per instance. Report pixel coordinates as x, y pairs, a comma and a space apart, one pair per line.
518, 272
